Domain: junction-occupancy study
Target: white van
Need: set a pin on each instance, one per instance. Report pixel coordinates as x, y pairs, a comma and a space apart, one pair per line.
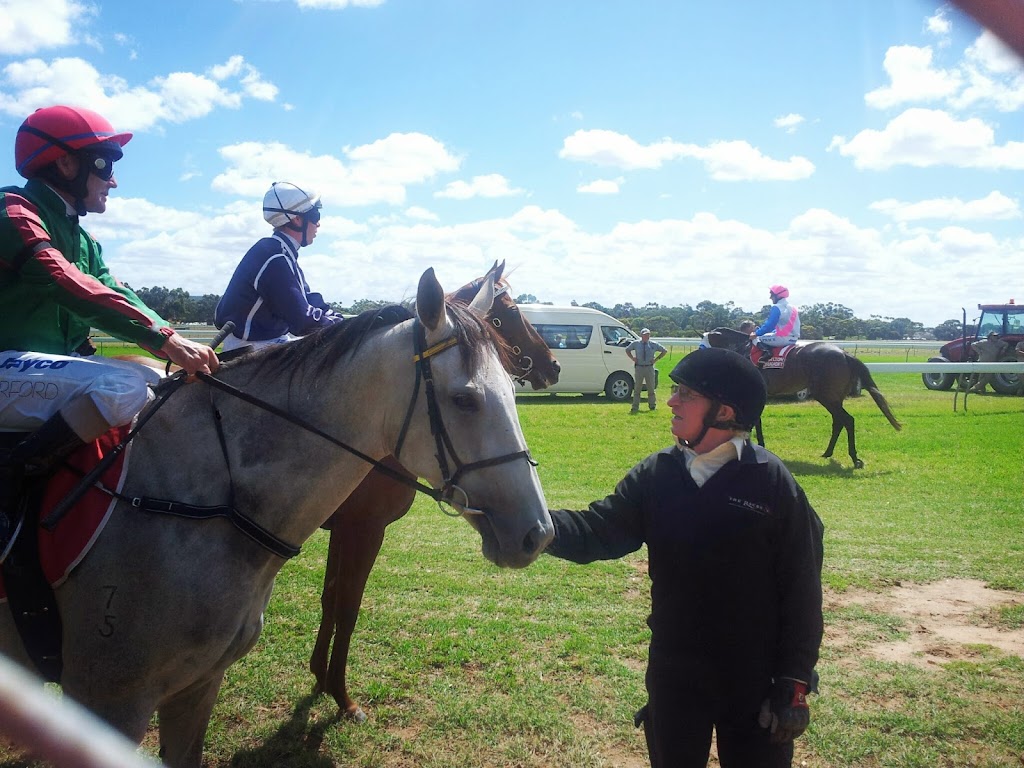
590, 347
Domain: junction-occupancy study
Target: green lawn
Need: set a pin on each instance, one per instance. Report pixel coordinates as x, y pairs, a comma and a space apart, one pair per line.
459, 663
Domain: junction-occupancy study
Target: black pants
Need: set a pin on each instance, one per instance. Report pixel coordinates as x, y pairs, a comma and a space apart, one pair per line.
682, 712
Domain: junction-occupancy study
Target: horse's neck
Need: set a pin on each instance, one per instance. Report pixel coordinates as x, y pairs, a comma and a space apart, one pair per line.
288, 479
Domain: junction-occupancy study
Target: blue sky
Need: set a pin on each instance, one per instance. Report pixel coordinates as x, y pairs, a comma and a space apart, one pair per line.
864, 153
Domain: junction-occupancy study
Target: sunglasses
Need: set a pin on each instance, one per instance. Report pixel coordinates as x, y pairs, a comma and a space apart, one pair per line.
313, 214
100, 166
684, 395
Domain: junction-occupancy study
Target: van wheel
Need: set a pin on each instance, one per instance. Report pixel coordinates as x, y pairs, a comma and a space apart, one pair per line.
619, 387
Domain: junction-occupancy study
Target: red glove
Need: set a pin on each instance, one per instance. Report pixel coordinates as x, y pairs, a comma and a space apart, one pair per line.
785, 712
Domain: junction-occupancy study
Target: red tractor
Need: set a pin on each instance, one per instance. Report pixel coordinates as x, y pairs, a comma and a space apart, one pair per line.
1007, 322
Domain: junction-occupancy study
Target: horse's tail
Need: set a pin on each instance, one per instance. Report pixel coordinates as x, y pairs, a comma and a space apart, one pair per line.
868, 383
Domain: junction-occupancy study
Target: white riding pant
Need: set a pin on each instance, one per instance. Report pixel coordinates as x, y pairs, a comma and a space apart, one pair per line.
93, 394
771, 340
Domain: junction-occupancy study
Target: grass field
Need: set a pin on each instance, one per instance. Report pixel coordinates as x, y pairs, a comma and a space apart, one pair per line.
458, 663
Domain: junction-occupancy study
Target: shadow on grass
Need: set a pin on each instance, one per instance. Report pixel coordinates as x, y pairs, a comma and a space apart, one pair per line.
831, 468
295, 745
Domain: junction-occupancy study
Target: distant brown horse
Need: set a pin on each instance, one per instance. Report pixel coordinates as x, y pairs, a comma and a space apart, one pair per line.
826, 371
357, 528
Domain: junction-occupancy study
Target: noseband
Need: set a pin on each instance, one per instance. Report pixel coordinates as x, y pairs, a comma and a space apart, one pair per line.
442, 440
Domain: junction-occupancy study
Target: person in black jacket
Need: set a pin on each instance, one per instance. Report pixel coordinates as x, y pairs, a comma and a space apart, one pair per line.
735, 555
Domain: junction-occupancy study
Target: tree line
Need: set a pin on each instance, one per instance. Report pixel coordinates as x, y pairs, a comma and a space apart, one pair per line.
817, 321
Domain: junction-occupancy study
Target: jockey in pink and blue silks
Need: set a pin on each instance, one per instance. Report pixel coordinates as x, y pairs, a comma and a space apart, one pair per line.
783, 324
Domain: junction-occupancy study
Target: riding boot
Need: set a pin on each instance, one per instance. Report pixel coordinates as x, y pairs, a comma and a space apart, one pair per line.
34, 456
11, 482
44, 448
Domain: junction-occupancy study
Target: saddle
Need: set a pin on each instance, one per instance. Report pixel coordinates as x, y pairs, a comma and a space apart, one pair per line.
39, 559
773, 358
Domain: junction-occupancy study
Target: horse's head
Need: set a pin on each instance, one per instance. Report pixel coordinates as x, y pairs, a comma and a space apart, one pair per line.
728, 338
531, 359
469, 442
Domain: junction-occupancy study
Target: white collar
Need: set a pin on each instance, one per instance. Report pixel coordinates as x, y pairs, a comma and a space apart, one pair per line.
702, 466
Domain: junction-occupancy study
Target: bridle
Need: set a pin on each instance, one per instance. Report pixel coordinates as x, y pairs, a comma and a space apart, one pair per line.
446, 495
442, 440
500, 314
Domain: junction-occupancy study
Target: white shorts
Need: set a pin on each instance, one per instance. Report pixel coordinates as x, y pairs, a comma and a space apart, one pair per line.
34, 386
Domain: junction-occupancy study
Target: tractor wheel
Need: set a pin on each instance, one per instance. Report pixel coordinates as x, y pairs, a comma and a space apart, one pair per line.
1006, 383
938, 381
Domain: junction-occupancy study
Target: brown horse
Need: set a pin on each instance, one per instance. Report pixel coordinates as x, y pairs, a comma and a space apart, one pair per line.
357, 527
826, 371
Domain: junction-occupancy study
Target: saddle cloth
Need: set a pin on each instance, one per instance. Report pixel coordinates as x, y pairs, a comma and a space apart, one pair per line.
774, 359
61, 549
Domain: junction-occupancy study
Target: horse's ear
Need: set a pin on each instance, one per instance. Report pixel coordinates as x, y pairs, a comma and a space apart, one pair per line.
497, 271
484, 299
430, 301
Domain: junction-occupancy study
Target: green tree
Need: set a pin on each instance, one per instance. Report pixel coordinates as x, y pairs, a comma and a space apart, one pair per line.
947, 330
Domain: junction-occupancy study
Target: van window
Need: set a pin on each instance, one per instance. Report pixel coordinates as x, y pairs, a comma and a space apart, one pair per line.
615, 336
561, 336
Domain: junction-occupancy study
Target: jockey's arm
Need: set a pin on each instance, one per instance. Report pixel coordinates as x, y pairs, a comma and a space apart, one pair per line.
770, 324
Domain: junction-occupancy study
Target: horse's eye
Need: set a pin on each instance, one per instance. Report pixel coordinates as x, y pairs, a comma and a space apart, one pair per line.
465, 403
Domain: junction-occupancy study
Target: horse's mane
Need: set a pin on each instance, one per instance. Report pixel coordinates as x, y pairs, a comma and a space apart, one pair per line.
319, 350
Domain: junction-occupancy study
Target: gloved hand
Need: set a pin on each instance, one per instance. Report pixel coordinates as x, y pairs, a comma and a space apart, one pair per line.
785, 712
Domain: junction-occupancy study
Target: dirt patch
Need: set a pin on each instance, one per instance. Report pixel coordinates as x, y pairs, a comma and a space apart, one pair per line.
946, 621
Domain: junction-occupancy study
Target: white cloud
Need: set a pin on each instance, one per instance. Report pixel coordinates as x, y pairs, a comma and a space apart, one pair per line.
990, 75
723, 160
375, 173
420, 213
994, 206
490, 185
789, 122
600, 187
939, 25
833, 259
913, 79
172, 98
27, 27
927, 137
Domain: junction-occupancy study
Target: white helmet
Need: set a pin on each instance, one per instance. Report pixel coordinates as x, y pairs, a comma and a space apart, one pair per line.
284, 200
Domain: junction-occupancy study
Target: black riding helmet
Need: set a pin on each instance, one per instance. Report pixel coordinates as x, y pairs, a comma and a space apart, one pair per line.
725, 377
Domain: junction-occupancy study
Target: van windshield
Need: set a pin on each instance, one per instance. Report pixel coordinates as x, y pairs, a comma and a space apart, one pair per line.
563, 336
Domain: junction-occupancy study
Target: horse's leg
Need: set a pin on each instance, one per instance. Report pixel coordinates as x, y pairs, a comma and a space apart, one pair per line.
324, 635
852, 441
358, 550
841, 420
184, 719
356, 537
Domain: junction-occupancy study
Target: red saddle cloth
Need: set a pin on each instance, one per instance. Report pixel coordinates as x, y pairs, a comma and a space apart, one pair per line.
775, 359
61, 549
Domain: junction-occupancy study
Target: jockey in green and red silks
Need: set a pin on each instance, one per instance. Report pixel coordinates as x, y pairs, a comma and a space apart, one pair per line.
55, 287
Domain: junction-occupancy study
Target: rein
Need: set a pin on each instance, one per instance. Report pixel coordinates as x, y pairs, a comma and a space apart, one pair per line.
263, 537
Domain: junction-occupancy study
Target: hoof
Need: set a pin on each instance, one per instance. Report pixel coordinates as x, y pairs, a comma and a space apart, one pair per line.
858, 464
356, 715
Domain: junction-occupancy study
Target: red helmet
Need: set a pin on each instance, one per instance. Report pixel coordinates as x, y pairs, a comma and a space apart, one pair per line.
52, 132
780, 290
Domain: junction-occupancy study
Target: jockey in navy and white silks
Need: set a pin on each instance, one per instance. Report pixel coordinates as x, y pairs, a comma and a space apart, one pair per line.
268, 298
783, 324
